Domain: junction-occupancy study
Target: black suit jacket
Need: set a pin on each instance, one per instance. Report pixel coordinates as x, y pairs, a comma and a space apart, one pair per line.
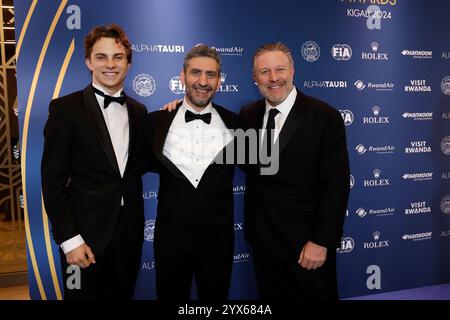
81, 182
192, 222
306, 199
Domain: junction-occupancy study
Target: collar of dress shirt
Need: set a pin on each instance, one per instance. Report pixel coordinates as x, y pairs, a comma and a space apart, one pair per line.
99, 87
286, 105
185, 106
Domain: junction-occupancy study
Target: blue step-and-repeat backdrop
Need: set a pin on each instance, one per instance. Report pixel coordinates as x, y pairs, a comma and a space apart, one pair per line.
385, 64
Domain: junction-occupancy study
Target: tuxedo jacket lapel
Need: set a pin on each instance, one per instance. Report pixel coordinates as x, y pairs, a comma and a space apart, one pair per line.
293, 121
99, 125
160, 135
132, 121
230, 123
255, 122
161, 131
259, 116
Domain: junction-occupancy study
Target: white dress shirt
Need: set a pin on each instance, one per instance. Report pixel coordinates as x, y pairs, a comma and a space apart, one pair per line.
116, 119
284, 108
193, 146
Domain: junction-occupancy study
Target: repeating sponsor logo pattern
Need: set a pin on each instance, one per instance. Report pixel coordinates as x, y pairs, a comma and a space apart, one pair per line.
310, 51
149, 230
144, 85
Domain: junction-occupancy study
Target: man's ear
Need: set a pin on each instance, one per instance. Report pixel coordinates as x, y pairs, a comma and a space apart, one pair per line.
88, 63
254, 78
182, 75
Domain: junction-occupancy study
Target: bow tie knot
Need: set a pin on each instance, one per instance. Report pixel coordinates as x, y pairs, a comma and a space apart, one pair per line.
189, 116
108, 99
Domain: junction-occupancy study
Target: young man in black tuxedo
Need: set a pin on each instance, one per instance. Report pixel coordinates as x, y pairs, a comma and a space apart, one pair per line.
194, 236
91, 174
294, 216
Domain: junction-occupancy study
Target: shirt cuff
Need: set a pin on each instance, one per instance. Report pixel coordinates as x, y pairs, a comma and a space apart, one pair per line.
72, 243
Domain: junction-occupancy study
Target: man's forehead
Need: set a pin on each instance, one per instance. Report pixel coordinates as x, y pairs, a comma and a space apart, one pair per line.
203, 68
270, 57
203, 63
108, 42
272, 54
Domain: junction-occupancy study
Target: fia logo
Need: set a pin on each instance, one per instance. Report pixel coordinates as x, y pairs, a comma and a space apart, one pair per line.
176, 86
347, 116
341, 52
347, 245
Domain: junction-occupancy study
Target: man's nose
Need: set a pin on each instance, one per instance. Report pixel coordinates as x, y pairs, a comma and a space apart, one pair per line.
273, 76
110, 63
203, 79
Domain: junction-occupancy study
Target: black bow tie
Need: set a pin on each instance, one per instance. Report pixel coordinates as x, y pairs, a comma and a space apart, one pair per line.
189, 116
109, 99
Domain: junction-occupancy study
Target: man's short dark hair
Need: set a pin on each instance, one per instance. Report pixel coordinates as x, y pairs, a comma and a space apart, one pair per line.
202, 50
110, 31
275, 46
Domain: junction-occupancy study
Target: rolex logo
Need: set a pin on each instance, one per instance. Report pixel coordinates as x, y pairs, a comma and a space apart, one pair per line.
376, 173
223, 77
376, 110
374, 46
376, 235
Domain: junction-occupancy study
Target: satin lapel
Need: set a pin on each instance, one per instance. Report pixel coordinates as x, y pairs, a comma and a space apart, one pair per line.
99, 125
257, 124
230, 123
160, 135
293, 121
132, 134
259, 116
161, 130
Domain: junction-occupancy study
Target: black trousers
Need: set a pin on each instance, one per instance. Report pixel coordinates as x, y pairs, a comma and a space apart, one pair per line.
174, 276
284, 279
114, 274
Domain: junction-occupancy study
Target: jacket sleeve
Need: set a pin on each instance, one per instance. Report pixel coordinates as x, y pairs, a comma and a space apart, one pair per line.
150, 161
242, 124
56, 173
334, 182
